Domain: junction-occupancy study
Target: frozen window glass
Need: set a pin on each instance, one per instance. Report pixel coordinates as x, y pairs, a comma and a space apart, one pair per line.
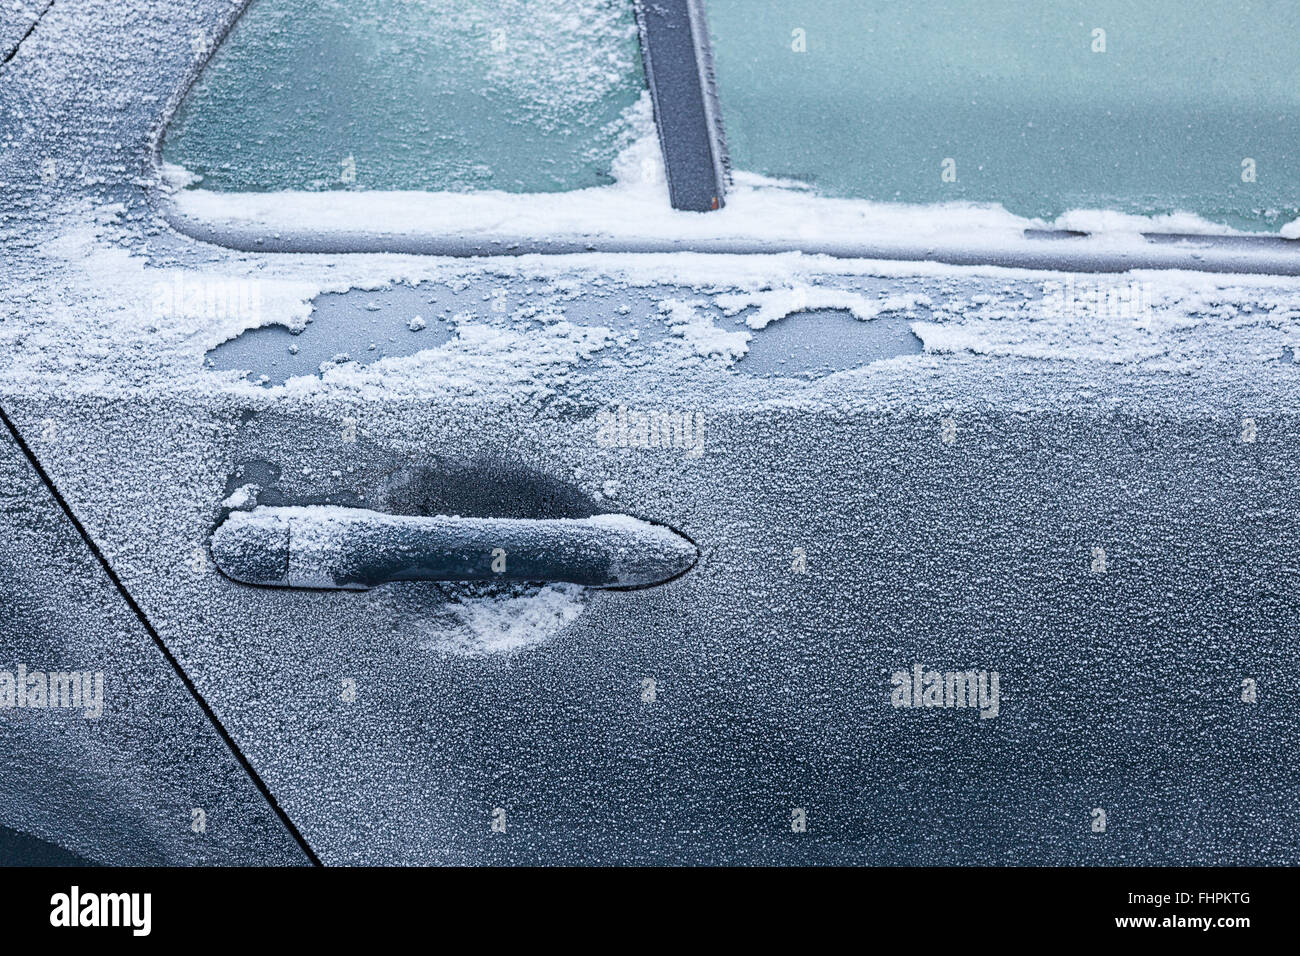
1043, 106
516, 95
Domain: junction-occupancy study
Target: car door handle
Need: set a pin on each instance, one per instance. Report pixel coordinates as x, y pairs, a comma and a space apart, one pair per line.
334, 547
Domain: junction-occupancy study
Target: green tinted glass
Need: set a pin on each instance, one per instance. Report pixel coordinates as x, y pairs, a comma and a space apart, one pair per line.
1041, 105
517, 95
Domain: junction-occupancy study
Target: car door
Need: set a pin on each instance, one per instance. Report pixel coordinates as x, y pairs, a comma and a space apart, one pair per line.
994, 546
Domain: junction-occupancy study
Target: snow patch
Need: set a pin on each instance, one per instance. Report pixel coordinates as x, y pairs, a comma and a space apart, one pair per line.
176, 177
687, 320
776, 304
245, 496
509, 622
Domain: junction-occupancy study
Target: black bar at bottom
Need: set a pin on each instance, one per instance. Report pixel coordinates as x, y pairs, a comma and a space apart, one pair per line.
939, 910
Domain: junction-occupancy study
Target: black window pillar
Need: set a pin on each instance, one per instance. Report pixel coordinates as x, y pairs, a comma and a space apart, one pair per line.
679, 69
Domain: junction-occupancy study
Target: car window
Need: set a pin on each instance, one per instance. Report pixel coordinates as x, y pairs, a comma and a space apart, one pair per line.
445, 95
1044, 106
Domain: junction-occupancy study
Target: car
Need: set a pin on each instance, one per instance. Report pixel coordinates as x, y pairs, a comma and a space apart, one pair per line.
687, 433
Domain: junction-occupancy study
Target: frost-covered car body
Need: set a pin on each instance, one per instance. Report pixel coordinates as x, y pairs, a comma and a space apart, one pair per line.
1095, 505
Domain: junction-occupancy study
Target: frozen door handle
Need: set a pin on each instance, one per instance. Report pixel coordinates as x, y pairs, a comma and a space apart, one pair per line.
331, 547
